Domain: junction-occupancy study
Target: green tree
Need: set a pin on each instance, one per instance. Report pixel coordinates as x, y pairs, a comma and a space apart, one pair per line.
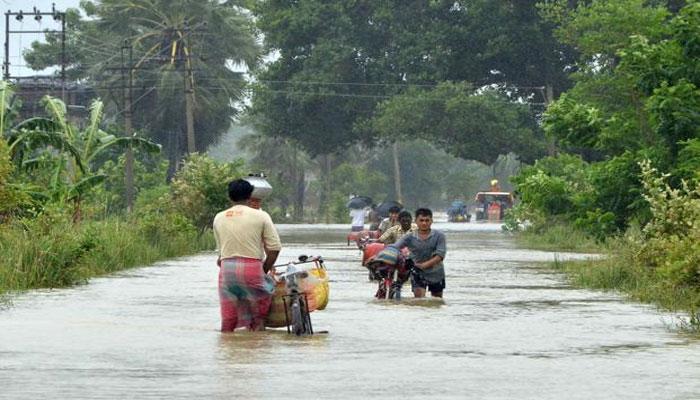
287, 171
635, 98
199, 188
339, 59
467, 124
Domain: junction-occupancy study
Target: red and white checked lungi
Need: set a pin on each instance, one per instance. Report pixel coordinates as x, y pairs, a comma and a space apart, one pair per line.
245, 293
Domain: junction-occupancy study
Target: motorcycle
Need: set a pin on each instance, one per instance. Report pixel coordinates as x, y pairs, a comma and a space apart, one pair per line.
391, 269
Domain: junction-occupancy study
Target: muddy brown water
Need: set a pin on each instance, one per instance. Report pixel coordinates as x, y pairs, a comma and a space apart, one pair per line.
508, 329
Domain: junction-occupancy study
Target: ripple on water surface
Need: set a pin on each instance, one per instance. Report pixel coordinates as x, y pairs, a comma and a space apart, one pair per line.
507, 328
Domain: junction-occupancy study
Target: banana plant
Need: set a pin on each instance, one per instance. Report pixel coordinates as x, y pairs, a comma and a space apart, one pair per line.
90, 143
53, 142
29, 135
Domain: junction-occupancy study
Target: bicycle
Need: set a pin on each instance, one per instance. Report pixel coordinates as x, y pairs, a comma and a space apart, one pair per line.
296, 302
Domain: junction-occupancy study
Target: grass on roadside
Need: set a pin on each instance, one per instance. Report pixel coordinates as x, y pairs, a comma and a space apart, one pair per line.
616, 273
58, 253
558, 237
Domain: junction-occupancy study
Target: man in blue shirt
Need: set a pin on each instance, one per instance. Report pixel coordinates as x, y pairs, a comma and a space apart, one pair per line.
428, 249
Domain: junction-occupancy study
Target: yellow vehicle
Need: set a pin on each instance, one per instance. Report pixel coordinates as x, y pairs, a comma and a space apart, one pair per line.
491, 206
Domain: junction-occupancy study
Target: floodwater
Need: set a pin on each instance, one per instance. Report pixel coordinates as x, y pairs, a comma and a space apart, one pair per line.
508, 329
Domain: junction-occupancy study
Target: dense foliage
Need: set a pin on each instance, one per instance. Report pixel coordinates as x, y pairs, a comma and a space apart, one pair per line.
635, 99
355, 72
199, 189
633, 111
469, 125
60, 222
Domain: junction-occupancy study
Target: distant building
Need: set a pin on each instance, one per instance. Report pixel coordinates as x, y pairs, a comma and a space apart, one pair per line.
30, 91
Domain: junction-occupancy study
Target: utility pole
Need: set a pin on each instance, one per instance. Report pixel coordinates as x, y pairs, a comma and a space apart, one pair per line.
548, 99
37, 15
63, 56
397, 172
328, 188
548, 96
128, 126
189, 98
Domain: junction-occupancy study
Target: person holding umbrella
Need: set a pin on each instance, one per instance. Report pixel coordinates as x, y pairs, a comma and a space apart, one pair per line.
357, 206
358, 219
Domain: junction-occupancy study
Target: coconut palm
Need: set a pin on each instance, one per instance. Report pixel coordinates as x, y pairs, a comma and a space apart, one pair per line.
183, 53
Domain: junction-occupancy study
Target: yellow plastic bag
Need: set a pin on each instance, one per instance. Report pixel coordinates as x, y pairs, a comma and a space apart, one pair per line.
314, 286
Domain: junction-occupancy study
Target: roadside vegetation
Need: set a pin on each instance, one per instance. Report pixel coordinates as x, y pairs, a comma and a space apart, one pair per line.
627, 173
62, 213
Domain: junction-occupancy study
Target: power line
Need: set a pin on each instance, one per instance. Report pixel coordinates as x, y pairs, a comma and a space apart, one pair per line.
432, 85
219, 88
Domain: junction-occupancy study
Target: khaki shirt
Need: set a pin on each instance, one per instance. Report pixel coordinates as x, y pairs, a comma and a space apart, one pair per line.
241, 231
395, 232
386, 224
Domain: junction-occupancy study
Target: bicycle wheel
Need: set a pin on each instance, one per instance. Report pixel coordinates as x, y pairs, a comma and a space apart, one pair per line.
387, 288
393, 289
297, 317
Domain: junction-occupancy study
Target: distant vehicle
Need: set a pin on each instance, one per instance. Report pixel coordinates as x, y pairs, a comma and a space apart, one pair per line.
457, 212
491, 206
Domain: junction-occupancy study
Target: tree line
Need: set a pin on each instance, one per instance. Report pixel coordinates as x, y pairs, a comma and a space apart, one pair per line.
476, 79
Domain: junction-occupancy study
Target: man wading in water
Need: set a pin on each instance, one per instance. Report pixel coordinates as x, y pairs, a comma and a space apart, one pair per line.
428, 249
244, 236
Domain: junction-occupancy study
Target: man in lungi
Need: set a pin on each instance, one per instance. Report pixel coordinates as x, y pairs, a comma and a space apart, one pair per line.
248, 246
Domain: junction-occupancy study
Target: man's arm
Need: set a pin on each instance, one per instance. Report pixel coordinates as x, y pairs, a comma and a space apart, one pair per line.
388, 236
270, 258
438, 253
402, 242
429, 263
271, 243
218, 244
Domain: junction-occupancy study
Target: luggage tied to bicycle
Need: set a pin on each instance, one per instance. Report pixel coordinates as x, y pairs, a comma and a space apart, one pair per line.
390, 267
313, 285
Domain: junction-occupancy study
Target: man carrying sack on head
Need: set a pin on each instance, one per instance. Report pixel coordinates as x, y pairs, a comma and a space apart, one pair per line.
245, 236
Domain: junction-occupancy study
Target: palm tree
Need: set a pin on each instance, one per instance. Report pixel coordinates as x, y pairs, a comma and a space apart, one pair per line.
91, 143
184, 51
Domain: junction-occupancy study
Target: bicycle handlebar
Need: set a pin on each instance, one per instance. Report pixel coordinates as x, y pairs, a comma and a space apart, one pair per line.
302, 260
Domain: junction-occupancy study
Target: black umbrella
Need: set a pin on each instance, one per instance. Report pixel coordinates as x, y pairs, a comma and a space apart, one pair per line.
383, 209
359, 202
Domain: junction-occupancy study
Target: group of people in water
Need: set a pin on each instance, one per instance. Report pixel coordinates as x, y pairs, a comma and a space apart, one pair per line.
427, 247
248, 246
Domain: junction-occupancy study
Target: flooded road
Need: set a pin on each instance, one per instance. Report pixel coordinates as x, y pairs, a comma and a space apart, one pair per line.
508, 329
